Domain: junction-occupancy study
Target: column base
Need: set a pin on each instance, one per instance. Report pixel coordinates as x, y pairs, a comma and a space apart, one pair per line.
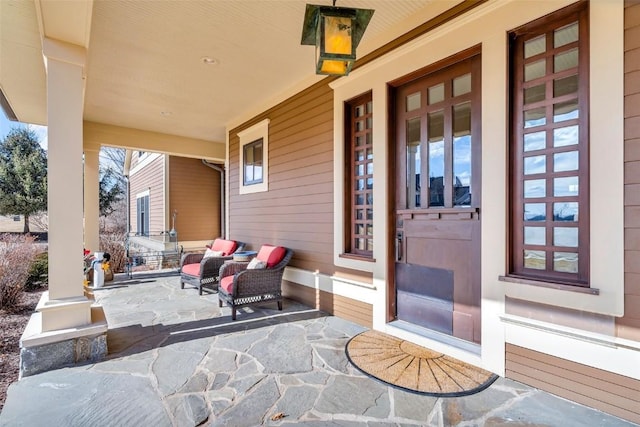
42, 351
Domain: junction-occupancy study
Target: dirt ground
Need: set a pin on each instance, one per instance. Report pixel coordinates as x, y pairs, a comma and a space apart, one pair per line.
12, 324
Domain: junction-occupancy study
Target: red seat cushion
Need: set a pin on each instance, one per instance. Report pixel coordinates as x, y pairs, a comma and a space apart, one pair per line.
226, 246
191, 269
272, 255
227, 284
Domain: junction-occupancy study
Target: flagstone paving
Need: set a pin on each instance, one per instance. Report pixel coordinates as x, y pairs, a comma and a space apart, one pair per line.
177, 359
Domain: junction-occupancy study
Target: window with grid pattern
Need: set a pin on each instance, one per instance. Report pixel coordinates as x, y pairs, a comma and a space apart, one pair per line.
359, 167
549, 149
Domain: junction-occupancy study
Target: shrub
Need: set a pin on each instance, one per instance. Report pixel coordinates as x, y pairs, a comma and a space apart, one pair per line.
113, 242
16, 255
38, 272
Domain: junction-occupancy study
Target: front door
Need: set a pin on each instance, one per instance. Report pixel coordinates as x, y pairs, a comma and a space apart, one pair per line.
437, 200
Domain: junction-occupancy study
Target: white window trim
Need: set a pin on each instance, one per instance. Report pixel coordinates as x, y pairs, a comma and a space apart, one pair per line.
146, 159
247, 136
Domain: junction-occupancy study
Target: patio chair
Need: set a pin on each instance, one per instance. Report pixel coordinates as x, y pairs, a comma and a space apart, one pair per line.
199, 269
242, 285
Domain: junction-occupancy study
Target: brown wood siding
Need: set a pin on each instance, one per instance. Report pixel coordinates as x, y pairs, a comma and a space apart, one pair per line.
297, 211
151, 178
194, 192
612, 393
346, 308
629, 325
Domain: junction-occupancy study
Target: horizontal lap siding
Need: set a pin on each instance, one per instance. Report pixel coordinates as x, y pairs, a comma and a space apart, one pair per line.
337, 305
150, 177
297, 211
194, 192
629, 325
602, 390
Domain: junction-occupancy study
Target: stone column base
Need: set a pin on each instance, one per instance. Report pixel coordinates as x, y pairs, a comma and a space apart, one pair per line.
44, 351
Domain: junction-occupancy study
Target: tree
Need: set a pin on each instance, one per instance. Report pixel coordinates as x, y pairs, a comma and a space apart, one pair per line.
111, 191
23, 175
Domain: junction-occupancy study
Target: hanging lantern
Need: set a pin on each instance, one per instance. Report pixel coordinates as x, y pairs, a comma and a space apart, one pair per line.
335, 32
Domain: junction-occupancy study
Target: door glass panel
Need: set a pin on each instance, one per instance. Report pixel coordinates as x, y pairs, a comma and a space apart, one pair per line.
565, 35
436, 94
359, 199
359, 140
565, 86
567, 211
565, 236
565, 60
534, 94
565, 136
370, 107
534, 70
359, 184
462, 85
359, 155
535, 164
535, 117
565, 262
534, 46
462, 154
535, 141
534, 259
565, 111
535, 235
413, 101
413, 163
359, 110
435, 131
535, 211
535, 188
567, 161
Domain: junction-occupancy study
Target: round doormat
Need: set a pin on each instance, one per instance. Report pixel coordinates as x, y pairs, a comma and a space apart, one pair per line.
413, 368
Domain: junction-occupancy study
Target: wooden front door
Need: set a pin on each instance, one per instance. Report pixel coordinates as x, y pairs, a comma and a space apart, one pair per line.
437, 200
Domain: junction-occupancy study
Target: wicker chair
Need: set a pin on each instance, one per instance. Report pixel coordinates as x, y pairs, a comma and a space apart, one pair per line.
240, 286
197, 271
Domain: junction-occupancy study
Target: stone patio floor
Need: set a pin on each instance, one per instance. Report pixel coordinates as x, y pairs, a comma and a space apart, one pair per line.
177, 359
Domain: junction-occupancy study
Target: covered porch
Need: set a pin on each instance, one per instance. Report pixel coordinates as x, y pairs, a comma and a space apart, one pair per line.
176, 359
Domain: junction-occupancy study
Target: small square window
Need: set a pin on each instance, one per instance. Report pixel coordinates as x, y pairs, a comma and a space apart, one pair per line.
254, 158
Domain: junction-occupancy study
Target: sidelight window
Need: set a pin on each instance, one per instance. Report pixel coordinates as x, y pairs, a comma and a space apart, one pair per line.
359, 169
549, 149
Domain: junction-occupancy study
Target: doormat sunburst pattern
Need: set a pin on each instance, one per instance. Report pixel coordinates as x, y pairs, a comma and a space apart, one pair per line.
413, 368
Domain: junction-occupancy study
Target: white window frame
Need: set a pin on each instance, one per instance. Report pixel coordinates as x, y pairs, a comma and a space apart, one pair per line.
258, 131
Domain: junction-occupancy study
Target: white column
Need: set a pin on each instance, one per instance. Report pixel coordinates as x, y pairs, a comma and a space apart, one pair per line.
91, 198
65, 305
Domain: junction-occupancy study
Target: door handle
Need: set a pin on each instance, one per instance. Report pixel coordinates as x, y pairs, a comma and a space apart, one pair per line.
399, 247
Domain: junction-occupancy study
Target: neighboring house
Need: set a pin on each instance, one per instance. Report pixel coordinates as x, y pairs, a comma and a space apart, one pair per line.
15, 223
472, 186
174, 205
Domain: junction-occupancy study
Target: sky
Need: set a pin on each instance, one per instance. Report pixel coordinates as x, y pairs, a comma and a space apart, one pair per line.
6, 125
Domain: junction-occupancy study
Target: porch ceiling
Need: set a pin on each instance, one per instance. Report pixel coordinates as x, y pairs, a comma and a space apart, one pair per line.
145, 66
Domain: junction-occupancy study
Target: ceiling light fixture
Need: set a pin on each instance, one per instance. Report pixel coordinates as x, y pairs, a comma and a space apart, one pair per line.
336, 32
209, 61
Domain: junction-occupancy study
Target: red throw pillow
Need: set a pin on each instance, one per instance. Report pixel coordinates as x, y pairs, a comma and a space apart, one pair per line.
272, 255
227, 247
